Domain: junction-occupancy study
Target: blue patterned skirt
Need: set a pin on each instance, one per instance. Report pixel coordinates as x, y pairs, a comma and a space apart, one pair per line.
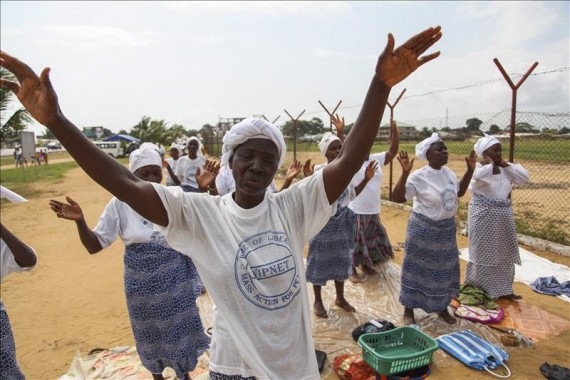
493, 246
9, 369
161, 287
430, 272
330, 255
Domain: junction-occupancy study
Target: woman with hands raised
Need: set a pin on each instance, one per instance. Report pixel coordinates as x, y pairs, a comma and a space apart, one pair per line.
247, 246
161, 284
430, 272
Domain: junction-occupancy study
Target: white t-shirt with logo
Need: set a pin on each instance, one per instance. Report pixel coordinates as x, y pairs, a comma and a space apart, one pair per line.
186, 170
434, 192
368, 201
251, 262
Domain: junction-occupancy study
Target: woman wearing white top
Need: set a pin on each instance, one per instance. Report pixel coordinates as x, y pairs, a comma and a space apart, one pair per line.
15, 256
247, 245
430, 272
493, 246
189, 166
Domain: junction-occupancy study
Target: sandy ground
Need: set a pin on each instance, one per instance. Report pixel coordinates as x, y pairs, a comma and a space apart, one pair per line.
73, 301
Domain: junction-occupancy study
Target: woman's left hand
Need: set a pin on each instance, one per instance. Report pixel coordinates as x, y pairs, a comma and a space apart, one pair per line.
471, 160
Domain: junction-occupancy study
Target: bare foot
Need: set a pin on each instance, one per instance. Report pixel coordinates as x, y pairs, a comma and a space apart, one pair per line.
320, 310
356, 278
409, 318
345, 305
512, 296
444, 314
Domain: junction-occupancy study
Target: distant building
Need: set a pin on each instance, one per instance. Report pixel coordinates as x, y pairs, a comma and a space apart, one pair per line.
407, 131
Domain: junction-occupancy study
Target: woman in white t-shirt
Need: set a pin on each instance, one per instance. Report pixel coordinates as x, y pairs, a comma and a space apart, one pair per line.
188, 166
247, 245
15, 256
493, 245
161, 284
372, 245
170, 165
430, 272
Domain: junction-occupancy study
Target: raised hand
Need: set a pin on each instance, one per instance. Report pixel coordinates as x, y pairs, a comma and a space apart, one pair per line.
70, 210
294, 170
339, 124
35, 93
308, 169
405, 161
371, 170
471, 160
208, 175
395, 65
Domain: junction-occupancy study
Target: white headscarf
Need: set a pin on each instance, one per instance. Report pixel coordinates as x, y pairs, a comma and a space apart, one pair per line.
174, 146
252, 128
199, 152
147, 154
11, 196
423, 146
484, 143
326, 141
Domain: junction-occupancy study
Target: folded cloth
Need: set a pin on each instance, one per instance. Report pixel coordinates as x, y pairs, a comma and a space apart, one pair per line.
550, 286
472, 296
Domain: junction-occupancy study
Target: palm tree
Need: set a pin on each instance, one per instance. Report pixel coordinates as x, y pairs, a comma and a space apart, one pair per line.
12, 122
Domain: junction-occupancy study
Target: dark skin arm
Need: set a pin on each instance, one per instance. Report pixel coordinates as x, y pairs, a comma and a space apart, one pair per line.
393, 66
292, 173
72, 211
368, 174
399, 192
23, 253
38, 96
394, 143
171, 173
471, 161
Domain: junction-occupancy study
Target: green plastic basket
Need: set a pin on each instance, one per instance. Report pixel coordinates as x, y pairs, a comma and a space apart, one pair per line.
397, 350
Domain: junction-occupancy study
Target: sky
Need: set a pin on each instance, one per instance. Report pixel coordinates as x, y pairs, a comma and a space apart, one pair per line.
191, 63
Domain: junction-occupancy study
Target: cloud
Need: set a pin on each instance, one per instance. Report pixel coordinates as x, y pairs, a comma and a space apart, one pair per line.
92, 36
272, 8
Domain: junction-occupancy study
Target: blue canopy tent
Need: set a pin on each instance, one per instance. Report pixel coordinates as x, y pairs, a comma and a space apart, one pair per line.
125, 138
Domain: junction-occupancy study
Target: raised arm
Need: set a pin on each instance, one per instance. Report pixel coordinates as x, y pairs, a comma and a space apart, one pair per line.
471, 161
393, 66
399, 192
394, 143
72, 211
23, 253
38, 96
292, 173
368, 174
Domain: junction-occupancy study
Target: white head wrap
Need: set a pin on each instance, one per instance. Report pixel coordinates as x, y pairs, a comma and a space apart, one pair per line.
423, 146
174, 146
10, 195
199, 152
484, 143
252, 128
326, 141
147, 154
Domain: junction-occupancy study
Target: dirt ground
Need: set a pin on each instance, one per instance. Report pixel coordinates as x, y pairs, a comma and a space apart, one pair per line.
73, 301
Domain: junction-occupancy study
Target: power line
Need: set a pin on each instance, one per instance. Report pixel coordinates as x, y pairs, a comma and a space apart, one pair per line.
476, 84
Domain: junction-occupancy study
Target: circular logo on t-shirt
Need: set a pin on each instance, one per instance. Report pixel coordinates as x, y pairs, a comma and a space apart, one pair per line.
266, 272
449, 199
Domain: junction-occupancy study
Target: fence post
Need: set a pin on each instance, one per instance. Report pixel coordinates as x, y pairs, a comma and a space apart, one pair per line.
330, 113
294, 133
392, 106
514, 89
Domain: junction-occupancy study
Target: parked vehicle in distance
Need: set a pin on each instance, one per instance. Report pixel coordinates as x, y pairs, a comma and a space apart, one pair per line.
54, 146
112, 148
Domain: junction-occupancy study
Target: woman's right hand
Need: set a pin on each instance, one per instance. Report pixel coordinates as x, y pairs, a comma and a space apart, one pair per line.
405, 161
70, 210
35, 93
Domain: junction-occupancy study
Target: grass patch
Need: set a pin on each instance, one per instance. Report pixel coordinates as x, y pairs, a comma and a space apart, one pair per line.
24, 180
528, 223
